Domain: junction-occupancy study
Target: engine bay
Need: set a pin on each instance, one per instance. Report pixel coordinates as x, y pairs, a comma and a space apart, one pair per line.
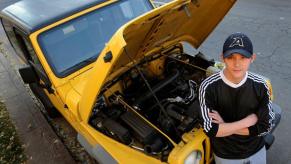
152, 104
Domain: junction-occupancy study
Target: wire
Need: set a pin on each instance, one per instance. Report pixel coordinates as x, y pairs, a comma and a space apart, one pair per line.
121, 101
150, 89
185, 63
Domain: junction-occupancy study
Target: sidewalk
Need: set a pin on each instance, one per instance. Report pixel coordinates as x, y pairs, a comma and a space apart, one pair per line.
41, 144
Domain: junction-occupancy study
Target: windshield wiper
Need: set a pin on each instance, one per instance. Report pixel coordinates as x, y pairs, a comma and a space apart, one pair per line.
85, 62
81, 64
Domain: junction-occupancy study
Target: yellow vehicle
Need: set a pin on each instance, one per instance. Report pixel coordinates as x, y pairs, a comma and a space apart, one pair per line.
117, 72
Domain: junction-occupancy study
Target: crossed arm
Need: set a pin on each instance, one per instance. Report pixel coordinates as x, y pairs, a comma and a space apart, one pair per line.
238, 127
257, 124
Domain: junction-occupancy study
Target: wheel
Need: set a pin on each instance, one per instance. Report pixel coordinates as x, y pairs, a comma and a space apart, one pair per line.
50, 110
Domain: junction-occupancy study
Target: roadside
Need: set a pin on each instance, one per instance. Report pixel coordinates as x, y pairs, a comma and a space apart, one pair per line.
11, 150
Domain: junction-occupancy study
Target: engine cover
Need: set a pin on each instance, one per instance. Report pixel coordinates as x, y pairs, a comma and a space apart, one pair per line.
144, 132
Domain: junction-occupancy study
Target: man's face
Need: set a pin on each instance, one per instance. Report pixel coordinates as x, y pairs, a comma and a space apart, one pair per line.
236, 66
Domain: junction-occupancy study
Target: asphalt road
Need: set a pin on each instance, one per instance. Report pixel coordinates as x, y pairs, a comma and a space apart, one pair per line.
268, 24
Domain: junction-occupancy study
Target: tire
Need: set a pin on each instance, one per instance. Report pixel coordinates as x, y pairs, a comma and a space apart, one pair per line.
50, 110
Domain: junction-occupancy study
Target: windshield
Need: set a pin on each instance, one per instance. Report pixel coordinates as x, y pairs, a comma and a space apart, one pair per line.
77, 43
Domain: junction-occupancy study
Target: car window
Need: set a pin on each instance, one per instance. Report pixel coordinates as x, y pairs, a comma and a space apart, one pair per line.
67, 46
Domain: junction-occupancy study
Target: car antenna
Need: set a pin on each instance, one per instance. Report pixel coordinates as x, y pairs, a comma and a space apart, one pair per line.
150, 89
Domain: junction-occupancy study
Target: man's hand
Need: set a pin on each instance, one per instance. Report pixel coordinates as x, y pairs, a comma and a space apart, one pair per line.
250, 120
238, 127
216, 118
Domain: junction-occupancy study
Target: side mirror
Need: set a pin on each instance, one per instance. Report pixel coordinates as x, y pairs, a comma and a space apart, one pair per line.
28, 75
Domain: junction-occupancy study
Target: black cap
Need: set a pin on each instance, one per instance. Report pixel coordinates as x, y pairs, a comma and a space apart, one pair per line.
238, 43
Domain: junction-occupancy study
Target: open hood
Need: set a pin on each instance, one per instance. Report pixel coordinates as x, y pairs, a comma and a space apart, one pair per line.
180, 20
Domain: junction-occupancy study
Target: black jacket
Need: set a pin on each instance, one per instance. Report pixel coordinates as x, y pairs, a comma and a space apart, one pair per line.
234, 102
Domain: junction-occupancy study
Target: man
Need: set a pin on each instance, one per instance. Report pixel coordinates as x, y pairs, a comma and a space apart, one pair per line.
236, 107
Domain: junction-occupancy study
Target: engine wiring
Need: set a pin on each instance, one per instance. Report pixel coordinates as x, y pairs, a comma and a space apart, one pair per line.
182, 61
151, 112
125, 104
151, 90
135, 109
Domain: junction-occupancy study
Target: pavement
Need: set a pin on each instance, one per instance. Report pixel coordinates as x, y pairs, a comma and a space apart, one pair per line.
41, 144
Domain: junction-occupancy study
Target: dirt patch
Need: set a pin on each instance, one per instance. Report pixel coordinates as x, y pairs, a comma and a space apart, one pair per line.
68, 136
11, 150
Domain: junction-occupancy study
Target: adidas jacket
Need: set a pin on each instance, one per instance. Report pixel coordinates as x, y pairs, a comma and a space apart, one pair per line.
234, 102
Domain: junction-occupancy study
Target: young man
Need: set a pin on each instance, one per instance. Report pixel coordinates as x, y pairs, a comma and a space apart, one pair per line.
236, 106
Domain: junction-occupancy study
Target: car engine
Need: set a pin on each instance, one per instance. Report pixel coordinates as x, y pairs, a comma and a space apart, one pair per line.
147, 107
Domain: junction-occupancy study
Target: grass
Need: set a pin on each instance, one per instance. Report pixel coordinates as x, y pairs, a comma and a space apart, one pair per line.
11, 150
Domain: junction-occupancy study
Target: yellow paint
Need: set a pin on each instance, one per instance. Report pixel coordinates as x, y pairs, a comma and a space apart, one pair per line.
269, 84
194, 140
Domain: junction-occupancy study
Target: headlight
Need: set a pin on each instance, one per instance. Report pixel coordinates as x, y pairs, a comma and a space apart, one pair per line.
193, 158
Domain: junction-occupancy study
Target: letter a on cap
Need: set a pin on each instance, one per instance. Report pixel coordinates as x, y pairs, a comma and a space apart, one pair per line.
237, 42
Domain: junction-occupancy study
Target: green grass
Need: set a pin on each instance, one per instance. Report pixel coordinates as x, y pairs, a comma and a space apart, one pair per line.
11, 150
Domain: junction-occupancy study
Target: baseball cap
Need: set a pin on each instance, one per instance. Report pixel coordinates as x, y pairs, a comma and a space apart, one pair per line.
238, 43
